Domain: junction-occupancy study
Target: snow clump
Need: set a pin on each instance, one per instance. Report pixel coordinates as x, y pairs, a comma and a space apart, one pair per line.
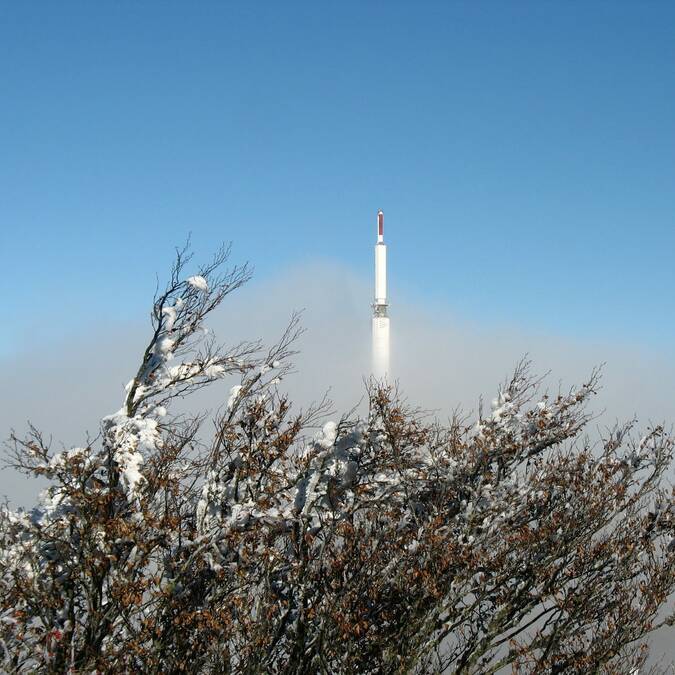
327, 436
132, 439
199, 283
234, 394
170, 313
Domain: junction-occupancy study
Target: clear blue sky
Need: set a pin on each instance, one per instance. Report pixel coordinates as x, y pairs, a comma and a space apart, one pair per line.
523, 153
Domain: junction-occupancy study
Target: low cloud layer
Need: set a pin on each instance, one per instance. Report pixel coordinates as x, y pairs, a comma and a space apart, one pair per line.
441, 362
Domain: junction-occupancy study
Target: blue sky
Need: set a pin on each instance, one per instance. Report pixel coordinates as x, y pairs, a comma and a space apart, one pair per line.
523, 153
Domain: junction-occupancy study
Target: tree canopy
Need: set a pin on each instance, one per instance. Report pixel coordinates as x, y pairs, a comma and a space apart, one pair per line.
278, 541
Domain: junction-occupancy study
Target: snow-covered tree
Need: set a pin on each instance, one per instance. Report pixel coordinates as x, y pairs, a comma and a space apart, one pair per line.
387, 544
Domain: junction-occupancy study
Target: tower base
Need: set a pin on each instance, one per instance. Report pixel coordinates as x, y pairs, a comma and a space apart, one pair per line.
380, 347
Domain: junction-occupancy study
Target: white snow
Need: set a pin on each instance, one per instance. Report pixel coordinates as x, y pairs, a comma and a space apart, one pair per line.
183, 371
214, 370
234, 394
328, 434
165, 346
199, 283
130, 470
170, 317
132, 438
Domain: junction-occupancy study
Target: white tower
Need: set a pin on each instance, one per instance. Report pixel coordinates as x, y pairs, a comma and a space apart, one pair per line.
380, 306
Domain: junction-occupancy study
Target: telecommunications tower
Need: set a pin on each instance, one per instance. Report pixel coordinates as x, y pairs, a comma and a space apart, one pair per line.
380, 306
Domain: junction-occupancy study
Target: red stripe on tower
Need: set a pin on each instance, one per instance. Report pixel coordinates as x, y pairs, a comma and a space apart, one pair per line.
380, 223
